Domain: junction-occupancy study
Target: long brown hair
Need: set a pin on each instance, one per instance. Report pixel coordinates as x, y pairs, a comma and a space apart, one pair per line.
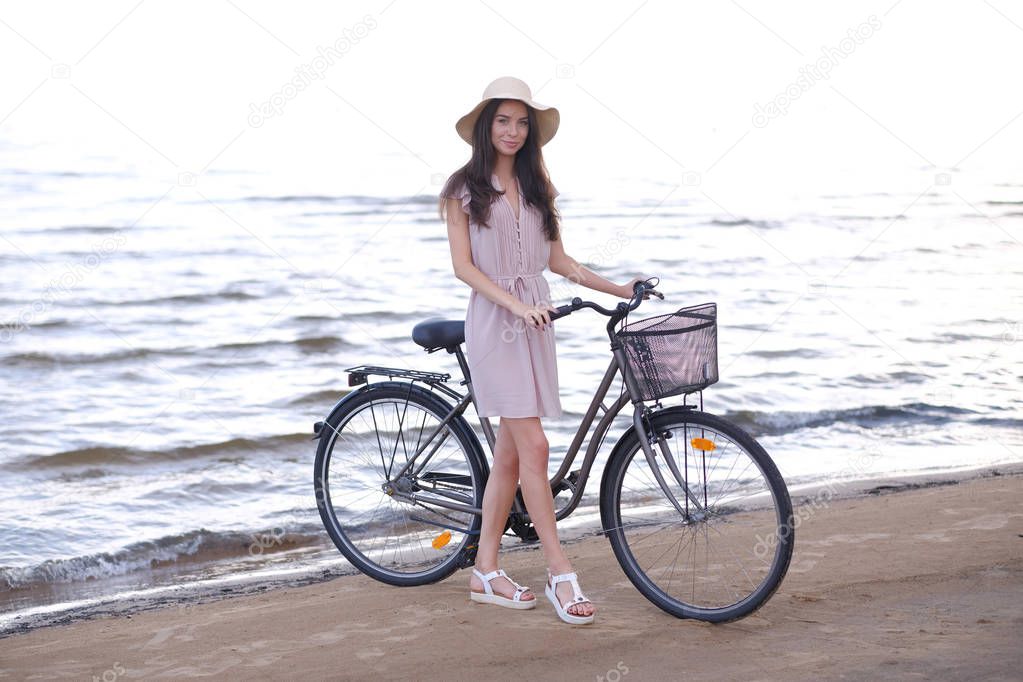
530, 170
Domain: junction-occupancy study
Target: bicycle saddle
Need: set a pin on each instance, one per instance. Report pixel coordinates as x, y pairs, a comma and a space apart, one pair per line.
437, 333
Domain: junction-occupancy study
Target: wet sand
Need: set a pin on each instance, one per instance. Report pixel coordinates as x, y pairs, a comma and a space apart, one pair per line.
907, 580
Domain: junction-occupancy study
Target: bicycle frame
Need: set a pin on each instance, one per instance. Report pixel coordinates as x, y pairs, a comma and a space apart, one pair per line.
561, 478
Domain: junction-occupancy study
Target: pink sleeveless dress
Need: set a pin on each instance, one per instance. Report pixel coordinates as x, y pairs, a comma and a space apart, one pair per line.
513, 366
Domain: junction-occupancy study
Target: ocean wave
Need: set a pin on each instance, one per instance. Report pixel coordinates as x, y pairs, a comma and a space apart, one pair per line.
771, 375
67, 174
114, 455
891, 378
47, 358
861, 218
45, 324
73, 229
207, 297
194, 546
786, 353
314, 318
324, 399
739, 222
313, 344
376, 316
952, 337
353, 199
776, 423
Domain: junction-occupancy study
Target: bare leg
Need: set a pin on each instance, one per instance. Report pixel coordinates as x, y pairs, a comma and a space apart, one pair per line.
533, 455
497, 500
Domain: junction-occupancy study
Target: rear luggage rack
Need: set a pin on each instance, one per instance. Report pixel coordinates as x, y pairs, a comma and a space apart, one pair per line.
357, 375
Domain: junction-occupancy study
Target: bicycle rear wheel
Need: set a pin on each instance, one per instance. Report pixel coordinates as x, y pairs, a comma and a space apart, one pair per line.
362, 501
723, 551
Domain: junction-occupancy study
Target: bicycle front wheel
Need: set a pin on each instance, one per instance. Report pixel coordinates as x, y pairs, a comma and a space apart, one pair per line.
399, 528
720, 545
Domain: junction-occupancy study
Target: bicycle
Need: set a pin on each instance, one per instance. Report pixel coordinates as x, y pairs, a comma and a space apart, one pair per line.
696, 512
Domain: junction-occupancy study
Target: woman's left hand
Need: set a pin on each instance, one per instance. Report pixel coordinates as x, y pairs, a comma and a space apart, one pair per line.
629, 290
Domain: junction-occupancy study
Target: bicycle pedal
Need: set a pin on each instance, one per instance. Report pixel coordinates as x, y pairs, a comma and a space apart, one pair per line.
526, 533
468, 556
569, 483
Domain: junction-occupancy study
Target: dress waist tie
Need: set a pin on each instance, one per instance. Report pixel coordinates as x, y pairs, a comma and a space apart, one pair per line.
519, 275
518, 281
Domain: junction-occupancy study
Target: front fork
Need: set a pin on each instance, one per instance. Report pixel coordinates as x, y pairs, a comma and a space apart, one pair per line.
647, 436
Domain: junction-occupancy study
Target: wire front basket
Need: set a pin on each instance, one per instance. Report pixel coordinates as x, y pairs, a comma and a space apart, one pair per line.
672, 354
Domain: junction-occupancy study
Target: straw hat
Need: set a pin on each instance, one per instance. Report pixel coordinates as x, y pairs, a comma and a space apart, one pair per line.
507, 87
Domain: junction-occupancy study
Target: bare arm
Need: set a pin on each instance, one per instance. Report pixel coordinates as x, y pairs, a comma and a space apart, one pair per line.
461, 258
466, 270
562, 264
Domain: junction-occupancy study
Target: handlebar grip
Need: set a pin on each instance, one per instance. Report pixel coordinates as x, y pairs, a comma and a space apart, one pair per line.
567, 309
648, 284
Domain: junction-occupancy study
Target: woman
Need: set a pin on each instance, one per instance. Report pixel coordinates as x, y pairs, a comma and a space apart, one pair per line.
503, 230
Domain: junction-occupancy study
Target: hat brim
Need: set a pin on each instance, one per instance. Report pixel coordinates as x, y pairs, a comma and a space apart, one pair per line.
547, 120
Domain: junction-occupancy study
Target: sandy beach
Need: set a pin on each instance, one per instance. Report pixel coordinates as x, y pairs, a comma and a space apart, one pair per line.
895, 579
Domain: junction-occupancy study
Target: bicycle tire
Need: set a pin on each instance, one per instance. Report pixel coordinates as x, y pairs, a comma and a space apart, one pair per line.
348, 536
742, 509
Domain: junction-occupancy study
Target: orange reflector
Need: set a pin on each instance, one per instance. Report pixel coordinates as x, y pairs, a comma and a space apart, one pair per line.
442, 539
703, 444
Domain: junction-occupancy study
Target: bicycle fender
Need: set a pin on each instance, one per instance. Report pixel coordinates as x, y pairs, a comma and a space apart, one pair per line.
351, 395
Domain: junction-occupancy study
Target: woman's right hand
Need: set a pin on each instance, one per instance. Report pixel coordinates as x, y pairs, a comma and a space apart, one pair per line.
536, 317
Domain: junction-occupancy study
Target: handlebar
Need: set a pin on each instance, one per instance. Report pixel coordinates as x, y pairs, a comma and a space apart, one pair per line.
640, 293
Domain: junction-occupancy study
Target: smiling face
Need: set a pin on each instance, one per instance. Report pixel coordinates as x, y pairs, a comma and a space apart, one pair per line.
510, 127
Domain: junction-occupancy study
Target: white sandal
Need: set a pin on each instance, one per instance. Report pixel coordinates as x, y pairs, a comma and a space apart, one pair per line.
579, 598
488, 597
